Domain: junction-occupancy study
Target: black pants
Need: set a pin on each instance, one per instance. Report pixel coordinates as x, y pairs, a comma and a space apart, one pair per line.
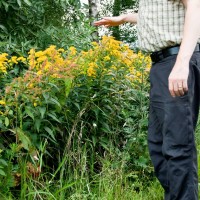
172, 123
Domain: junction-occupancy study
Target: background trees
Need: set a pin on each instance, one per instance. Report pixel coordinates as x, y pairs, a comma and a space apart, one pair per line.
93, 13
40, 23
126, 32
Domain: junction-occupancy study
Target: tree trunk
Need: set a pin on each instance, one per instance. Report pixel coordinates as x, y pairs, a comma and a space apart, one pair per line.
116, 12
93, 14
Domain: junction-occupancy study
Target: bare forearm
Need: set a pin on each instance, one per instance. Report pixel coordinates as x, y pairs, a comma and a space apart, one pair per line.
178, 77
130, 17
191, 29
117, 20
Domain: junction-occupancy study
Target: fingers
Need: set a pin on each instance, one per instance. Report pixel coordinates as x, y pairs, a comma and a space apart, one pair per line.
180, 91
178, 79
171, 89
100, 22
103, 22
178, 88
185, 86
109, 21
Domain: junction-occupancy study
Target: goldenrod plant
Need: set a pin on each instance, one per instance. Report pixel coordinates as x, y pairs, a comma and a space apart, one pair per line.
79, 109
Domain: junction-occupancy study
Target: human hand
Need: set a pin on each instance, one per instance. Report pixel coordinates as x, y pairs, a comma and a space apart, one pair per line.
110, 21
178, 79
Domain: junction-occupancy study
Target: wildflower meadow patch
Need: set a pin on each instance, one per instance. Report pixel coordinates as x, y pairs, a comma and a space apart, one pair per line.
77, 109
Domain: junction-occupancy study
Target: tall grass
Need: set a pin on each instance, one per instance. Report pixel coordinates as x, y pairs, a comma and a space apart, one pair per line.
110, 184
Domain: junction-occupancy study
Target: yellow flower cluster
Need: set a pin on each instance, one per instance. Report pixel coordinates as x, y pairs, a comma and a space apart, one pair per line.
2, 102
44, 67
73, 51
92, 69
110, 55
15, 60
100, 58
140, 71
51, 61
3, 62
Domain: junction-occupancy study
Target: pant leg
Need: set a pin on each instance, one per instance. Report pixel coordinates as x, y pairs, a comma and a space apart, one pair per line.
177, 151
155, 143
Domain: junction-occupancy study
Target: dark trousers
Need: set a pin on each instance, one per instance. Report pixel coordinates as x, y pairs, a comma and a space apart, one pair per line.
172, 123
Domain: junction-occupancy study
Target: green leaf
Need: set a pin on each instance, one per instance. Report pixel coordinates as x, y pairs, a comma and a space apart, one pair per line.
105, 128
55, 86
10, 112
42, 111
6, 122
3, 162
6, 5
4, 28
78, 106
94, 140
54, 117
23, 138
38, 124
105, 146
28, 2
48, 130
19, 3
29, 112
142, 161
68, 84
2, 172
55, 102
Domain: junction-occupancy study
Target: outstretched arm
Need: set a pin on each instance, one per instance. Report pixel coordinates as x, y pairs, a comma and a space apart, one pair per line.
116, 21
179, 75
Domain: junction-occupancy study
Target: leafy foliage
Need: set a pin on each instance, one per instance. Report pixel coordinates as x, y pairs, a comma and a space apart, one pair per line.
129, 4
39, 23
90, 104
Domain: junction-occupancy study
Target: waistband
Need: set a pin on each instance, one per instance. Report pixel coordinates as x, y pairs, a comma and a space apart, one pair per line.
159, 55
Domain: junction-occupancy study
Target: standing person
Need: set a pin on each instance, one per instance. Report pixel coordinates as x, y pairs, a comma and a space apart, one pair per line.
170, 31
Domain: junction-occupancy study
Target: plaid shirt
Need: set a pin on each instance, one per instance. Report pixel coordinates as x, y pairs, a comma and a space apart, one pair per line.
160, 24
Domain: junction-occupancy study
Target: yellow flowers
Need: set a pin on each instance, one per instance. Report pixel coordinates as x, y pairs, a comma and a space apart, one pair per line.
30, 86
111, 56
21, 59
72, 51
51, 62
116, 53
2, 102
61, 50
3, 61
39, 53
108, 61
14, 60
41, 59
91, 70
45, 69
107, 57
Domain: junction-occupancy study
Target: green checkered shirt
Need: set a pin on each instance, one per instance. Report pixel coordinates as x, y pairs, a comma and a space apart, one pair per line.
160, 24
